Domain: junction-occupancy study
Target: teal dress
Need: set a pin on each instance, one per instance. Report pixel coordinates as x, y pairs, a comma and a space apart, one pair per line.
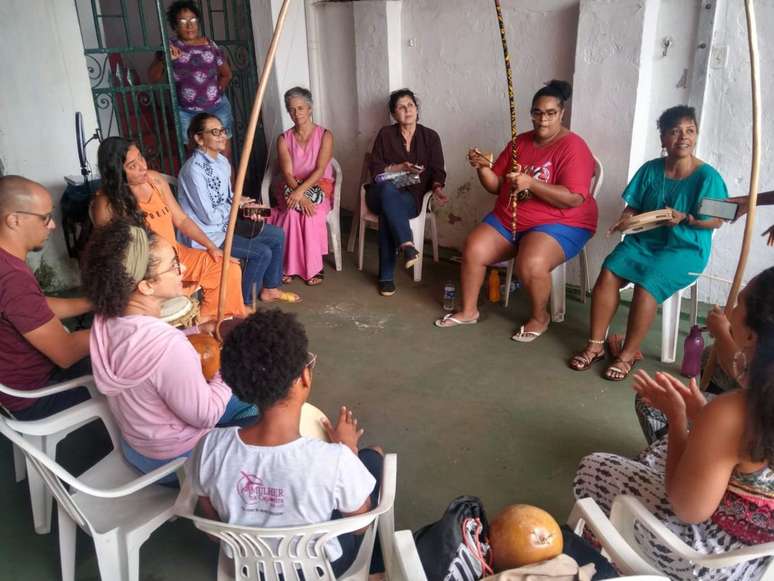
659, 260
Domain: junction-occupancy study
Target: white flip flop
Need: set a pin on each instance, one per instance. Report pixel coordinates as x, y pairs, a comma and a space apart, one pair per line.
449, 321
527, 336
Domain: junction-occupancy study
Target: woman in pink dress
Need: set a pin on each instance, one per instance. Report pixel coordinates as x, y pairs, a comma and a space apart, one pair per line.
303, 190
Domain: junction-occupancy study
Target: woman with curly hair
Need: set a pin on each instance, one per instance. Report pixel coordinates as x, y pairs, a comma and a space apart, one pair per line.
265, 361
148, 370
712, 485
131, 191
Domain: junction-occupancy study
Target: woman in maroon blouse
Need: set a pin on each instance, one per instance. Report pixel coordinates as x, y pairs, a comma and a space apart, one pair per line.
405, 146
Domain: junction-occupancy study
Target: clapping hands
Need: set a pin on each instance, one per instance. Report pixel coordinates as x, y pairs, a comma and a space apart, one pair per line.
670, 395
346, 431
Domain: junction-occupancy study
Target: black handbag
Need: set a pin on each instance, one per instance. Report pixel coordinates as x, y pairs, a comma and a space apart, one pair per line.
456, 547
247, 228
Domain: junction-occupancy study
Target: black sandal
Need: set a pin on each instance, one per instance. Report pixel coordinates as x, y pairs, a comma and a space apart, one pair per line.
316, 280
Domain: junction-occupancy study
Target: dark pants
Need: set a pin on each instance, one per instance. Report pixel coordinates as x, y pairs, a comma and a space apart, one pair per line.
350, 542
52, 404
395, 208
262, 257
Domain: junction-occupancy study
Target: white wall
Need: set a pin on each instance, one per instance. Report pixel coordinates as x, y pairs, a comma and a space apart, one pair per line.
46, 82
336, 30
726, 136
291, 67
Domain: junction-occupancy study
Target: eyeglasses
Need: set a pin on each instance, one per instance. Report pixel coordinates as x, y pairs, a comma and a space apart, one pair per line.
312, 360
46, 218
217, 132
176, 267
538, 114
193, 21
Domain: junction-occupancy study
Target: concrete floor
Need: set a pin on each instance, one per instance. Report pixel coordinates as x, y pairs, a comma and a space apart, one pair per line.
467, 410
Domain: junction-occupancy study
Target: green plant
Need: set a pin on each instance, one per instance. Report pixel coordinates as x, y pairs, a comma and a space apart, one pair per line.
46, 277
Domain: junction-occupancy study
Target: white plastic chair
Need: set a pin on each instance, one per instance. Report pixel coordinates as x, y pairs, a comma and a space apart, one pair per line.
333, 219
616, 535
114, 504
264, 554
40, 498
417, 225
670, 317
171, 180
559, 274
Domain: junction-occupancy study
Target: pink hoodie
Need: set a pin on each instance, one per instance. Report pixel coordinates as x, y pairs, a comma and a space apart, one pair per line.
153, 381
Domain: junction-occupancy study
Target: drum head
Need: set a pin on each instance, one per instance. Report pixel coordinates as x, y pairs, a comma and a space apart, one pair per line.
311, 427
175, 308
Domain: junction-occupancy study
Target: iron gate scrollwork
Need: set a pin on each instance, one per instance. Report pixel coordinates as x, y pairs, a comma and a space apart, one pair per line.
121, 39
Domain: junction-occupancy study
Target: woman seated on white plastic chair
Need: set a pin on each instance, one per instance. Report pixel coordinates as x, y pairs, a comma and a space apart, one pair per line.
551, 225
410, 148
147, 369
304, 189
713, 485
658, 262
267, 475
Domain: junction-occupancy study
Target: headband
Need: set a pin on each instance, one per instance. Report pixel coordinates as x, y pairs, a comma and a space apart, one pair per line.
137, 254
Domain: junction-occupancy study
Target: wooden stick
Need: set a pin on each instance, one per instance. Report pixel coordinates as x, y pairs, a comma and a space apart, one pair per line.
752, 41
244, 159
513, 202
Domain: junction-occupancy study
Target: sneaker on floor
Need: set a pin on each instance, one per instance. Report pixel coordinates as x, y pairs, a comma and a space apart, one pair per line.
387, 288
410, 255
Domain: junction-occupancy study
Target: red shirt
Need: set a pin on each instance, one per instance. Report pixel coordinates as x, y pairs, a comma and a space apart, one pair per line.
567, 162
23, 308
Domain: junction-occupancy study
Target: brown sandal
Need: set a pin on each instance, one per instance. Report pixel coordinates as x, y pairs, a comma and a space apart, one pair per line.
581, 361
618, 366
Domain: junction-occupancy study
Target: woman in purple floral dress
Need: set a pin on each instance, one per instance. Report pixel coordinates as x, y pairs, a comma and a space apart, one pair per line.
199, 67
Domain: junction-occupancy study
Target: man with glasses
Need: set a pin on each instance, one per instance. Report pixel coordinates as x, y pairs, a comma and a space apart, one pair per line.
35, 348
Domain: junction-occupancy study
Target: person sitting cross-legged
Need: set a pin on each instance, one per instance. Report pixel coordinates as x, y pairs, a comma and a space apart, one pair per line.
266, 362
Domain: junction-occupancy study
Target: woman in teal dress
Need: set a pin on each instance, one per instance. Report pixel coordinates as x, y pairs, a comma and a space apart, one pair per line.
659, 261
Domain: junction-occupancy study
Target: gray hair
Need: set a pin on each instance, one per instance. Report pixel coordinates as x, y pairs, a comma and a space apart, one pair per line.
305, 94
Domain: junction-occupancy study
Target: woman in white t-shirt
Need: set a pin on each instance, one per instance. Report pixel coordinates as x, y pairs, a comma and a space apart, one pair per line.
268, 475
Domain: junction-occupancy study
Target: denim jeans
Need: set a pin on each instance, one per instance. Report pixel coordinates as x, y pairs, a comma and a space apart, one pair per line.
395, 208
350, 542
263, 260
222, 111
237, 413
52, 404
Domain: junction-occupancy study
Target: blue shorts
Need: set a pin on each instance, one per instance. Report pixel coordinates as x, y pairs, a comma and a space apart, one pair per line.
571, 238
222, 111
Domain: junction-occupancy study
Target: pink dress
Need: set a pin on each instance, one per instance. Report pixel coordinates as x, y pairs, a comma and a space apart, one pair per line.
306, 237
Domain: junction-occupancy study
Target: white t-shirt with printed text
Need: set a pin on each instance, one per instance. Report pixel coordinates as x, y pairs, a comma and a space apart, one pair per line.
294, 484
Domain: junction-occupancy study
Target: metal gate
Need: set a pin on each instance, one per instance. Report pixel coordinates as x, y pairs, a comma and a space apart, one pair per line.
121, 39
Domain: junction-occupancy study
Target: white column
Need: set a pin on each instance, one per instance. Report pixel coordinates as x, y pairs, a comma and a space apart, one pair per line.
378, 62
608, 72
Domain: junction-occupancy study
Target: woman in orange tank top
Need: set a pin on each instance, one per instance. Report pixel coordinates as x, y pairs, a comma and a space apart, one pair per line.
142, 196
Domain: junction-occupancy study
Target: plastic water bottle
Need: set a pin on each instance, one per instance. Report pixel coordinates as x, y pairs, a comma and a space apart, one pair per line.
449, 295
692, 350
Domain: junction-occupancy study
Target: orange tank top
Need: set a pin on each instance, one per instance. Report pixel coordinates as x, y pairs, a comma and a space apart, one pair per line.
158, 216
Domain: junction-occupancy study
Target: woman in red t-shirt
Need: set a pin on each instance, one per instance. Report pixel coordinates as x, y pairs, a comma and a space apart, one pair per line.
552, 224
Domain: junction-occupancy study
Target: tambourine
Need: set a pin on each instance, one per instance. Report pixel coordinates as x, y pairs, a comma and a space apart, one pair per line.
647, 221
180, 311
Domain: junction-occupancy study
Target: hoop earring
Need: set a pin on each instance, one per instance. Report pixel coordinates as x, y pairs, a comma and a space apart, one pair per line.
739, 365
664, 152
